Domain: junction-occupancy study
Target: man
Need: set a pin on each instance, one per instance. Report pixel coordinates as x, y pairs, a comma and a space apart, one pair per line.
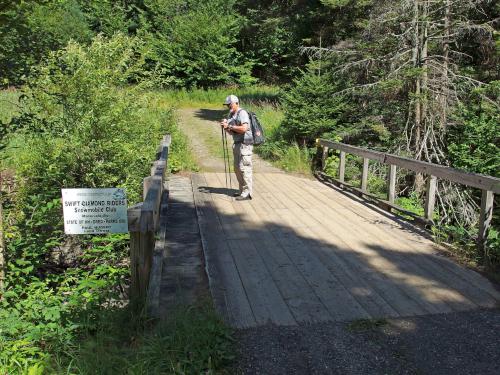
238, 125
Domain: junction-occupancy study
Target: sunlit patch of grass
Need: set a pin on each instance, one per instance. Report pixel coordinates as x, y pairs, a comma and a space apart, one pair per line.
213, 98
8, 105
295, 159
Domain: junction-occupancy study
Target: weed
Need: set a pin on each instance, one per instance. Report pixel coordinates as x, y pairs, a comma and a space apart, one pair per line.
193, 340
363, 325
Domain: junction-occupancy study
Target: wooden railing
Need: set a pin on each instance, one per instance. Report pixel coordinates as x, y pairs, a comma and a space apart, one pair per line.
489, 185
144, 224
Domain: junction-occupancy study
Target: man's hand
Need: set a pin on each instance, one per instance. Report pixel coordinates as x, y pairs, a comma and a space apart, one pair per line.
224, 124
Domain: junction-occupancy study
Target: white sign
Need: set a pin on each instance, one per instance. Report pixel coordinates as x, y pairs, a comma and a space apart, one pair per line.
92, 211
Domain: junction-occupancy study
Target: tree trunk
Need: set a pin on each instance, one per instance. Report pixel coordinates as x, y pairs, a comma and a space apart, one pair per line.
420, 54
446, 59
416, 63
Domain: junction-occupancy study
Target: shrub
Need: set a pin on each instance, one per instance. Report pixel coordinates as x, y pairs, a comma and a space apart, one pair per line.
310, 108
82, 125
193, 44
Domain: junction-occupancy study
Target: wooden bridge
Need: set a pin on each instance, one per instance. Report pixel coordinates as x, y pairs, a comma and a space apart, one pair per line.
302, 251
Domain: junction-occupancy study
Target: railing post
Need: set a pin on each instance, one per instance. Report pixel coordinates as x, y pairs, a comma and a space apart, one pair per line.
342, 167
135, 244
143, 220
146, 184
364, 178
391, 183
485, 217
430, 197
324, 157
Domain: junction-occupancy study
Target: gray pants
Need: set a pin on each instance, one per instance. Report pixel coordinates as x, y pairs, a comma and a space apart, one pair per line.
243, 167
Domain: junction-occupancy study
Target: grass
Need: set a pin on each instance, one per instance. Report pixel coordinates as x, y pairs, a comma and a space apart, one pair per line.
180, 156
193, 340
213, 98
264, 101
8, 105
363, 325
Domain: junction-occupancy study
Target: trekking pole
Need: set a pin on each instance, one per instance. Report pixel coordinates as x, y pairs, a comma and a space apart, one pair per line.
223, 138
228, 163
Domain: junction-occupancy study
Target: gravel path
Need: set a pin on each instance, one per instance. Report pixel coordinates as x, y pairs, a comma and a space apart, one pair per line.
460, 343
203, 131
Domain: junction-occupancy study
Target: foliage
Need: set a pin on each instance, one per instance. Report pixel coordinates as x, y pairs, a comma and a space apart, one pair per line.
192, 340
275, 31
296, 159
474, 139
252, 97
108, 17
29, 29
8, 105
44, 313
310, 109
83, 130
192, 43
81, 125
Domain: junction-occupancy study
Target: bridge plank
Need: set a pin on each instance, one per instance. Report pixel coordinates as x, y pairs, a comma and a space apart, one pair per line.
383, 283
360, 289
394, 266
300, 298
225, 209
409, 299
297, 293
264, 297
395, 231
425, 262
303, 252
339, 302
225, 283
385, 261
291, 216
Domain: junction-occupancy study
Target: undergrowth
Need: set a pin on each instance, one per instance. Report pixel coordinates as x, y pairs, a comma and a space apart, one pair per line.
192, 340
64, 307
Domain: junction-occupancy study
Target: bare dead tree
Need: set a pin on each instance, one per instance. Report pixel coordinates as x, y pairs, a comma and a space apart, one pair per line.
421, 37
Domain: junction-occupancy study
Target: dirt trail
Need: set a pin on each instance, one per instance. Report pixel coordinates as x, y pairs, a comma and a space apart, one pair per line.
204, 134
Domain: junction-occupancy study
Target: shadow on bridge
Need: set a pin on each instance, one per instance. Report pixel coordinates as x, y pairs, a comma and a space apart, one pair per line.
321, 295
268, 265
218, 190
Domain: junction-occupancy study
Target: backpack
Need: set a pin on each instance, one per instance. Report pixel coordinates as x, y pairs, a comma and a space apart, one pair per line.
257, 131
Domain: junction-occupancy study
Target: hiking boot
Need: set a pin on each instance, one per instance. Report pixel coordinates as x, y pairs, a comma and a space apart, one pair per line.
243, 198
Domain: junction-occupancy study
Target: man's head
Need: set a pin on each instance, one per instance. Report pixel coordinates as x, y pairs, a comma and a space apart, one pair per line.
231, 102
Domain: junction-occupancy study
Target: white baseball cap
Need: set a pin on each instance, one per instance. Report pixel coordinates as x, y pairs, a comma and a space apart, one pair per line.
231, 99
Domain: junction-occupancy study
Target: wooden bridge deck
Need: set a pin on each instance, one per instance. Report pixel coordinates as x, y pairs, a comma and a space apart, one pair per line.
302, 252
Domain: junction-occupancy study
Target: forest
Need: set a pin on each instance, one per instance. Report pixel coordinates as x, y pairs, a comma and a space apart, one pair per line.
88, 88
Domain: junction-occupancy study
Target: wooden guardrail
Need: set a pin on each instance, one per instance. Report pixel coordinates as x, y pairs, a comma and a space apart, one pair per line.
489, 185
143, 223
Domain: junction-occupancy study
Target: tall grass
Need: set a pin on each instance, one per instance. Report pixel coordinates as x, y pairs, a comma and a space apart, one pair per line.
213, 98
264, 101
8, 104
192, 340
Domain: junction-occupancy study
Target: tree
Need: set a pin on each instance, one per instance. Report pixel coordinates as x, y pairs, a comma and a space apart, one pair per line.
30, 29
193, 43
414, 46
